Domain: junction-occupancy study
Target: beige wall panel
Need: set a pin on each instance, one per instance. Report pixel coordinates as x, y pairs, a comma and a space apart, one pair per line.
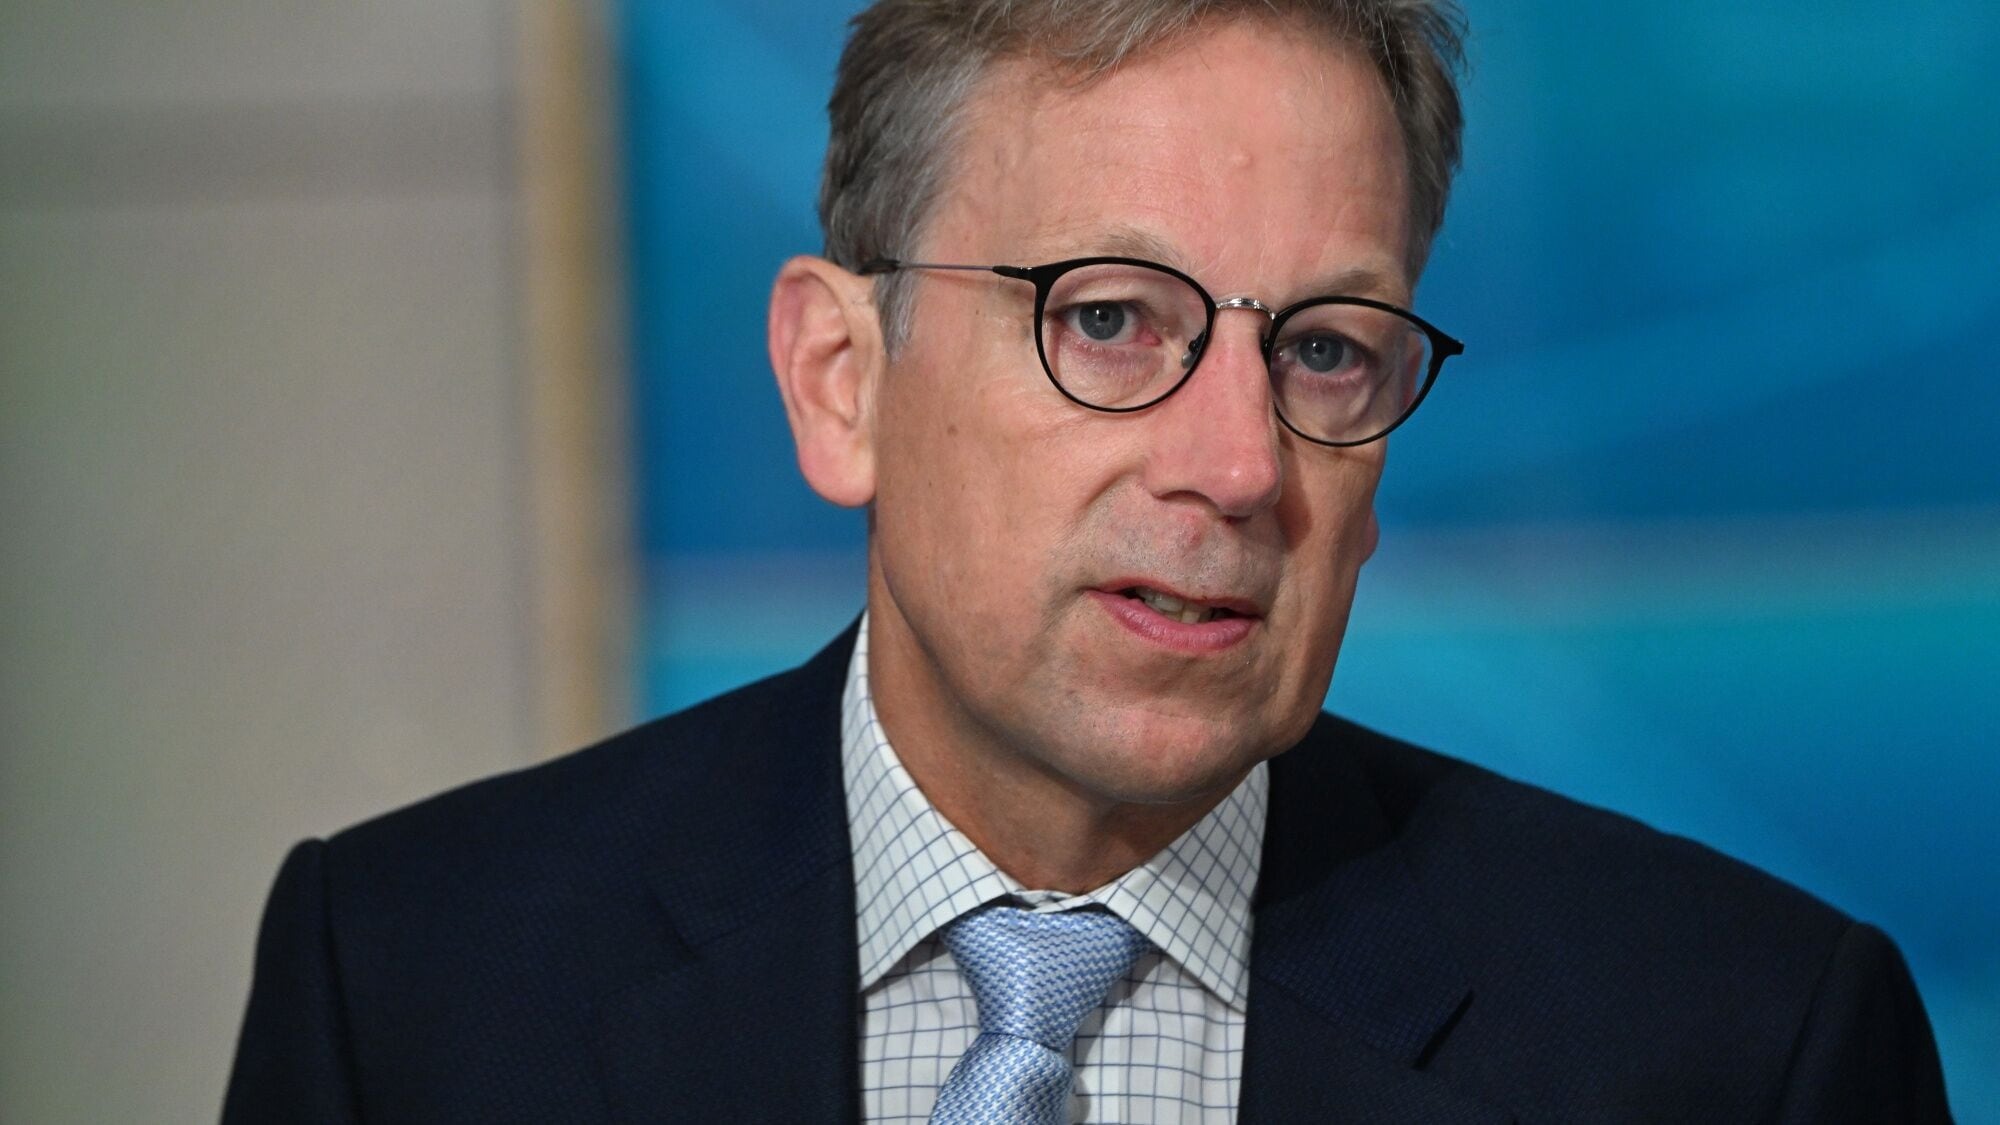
267, 560
97, 52
261, 580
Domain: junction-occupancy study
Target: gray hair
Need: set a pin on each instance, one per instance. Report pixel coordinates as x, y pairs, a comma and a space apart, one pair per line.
910, 65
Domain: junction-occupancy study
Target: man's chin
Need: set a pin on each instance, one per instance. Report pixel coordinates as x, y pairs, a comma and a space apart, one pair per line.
1162, 763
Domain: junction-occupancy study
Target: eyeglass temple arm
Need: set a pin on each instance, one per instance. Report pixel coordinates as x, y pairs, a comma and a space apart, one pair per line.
891, 265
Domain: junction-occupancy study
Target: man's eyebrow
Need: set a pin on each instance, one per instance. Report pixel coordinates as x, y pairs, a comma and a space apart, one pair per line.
1123, 241
1135, 242
1356, 281
1118, 241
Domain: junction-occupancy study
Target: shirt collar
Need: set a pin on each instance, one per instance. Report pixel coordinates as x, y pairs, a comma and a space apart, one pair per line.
914, 871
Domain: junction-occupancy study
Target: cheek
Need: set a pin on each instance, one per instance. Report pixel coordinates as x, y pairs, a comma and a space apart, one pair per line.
1330, 523
922, 486
953, 497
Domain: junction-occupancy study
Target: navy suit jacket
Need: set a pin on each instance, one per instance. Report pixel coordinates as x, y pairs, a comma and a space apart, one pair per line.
661, 928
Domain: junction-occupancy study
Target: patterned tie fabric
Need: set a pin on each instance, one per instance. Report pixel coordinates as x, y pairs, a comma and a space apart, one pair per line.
1034, 976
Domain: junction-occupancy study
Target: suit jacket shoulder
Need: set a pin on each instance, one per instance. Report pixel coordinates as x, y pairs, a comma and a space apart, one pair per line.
517, 949
748, 765
1560, 961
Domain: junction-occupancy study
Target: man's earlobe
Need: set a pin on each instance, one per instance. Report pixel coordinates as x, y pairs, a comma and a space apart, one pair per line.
826, 350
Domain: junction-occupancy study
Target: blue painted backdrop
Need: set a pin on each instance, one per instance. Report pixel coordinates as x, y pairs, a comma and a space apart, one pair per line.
1705, 526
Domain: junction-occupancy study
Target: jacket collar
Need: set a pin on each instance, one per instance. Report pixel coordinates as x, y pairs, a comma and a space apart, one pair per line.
1354, 982
750, 1010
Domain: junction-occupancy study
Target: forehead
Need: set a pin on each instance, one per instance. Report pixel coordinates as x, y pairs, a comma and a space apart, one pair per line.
1252, 155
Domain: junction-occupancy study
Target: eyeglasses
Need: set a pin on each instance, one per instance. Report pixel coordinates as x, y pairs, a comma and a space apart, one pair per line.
1122, 334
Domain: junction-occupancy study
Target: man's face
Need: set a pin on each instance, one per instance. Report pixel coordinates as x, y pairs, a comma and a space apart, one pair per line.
1011, 524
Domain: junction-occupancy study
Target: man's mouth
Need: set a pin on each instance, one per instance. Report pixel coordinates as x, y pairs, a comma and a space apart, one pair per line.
1180, 609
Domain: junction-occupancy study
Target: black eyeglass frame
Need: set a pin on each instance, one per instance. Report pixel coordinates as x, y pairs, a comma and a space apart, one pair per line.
1044, 277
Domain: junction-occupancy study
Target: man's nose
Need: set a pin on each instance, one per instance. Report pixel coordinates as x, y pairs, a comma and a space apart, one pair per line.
1217, 437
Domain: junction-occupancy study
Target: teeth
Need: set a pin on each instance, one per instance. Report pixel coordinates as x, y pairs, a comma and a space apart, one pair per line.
1170, 606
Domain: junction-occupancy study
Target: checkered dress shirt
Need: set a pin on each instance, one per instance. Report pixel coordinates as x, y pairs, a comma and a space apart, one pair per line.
1167, 1046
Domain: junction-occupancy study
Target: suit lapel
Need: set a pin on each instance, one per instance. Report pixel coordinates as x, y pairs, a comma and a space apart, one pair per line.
1353, 981
758, 1025
749, 1011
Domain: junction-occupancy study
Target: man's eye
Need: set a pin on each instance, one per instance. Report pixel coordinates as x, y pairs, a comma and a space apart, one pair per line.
1323, 353
1106, 322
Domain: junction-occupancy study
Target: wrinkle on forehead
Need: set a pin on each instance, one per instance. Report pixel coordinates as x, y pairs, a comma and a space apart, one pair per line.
1030, 130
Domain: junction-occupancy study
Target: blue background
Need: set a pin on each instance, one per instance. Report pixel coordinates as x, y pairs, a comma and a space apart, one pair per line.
1705, 526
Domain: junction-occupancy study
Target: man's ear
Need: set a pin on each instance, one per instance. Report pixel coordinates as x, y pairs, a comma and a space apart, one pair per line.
826, 348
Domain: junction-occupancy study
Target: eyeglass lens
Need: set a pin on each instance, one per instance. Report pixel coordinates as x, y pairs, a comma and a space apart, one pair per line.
1118, 337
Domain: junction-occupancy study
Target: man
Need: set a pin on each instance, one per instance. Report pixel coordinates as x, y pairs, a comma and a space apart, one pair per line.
1112, 326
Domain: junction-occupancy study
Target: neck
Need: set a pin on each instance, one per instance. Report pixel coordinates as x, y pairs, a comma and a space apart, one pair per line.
1044, 829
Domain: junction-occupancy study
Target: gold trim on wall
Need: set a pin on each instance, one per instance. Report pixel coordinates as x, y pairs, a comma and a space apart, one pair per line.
574, 383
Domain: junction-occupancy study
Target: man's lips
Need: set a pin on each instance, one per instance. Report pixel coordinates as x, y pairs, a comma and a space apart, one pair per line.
1179, 605
1199, 627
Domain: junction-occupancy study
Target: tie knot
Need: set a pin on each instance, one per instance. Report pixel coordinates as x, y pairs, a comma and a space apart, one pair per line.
1037, 975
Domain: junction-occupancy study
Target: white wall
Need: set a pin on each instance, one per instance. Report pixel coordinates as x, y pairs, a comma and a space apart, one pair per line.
262, 564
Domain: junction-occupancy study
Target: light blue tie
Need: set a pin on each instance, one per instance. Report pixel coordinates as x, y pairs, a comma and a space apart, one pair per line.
1035, 976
